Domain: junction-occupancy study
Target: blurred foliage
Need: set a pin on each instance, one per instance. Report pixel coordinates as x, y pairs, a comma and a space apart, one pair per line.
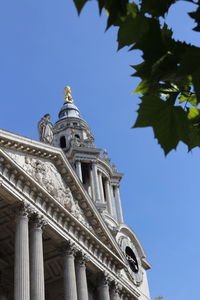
169, 72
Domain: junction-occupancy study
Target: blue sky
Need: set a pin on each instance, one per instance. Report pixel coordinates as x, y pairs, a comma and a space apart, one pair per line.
45, 46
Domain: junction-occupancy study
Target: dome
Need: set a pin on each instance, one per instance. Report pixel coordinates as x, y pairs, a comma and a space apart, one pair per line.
69, 110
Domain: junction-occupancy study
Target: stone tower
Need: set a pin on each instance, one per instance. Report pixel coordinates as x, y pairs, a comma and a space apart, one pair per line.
101, 181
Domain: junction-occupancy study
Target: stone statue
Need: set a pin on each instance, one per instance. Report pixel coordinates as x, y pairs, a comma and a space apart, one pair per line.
45, 129
68, 96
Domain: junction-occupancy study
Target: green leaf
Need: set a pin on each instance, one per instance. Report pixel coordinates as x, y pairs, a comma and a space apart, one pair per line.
168, 88
132, 30
151, 43
116, 9
101, 4
194, 134
79, 5
142, 88
169, 122
149, 109
156, 8
193, 112
196, 82
190, 59
196, 16
165, 68
191, 98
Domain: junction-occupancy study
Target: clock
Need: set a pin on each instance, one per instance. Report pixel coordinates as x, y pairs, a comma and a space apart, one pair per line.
132, 260
134, 267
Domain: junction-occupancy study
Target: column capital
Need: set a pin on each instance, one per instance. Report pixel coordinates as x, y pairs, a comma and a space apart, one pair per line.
68, 248
94, 161
81, 258
126, 296
103, 279
38, 221
22, 209
116, 287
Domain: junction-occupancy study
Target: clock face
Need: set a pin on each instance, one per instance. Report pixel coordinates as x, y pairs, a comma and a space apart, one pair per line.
134, 268
132, 260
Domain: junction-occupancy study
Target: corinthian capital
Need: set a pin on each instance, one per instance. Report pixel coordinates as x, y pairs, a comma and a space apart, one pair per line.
104, 279
81, 258
38, 221
116, 287
68, 248
22, 209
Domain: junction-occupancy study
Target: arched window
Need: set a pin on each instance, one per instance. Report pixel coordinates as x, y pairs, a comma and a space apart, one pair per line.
62, 142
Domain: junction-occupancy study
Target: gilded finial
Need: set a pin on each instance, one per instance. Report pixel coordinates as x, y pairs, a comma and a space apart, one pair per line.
67, 92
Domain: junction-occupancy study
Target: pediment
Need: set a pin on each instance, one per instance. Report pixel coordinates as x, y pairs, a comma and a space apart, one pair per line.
48, 176
48, 167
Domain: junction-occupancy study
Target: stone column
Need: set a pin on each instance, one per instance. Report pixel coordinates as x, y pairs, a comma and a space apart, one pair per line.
110, 202
95, 182
125, 297
113, 201
79, 170
81, 279
21, 269
114, 294
101, 187
70, 291
118, 204
37, 260
103, 288
92, 185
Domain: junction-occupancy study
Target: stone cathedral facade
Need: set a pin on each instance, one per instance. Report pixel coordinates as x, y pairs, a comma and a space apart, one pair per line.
62, 232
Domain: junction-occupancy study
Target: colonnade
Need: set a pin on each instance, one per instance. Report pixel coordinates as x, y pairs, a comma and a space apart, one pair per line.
103, 191
30, 260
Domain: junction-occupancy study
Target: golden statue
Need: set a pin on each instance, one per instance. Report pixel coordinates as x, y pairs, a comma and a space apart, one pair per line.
67, 92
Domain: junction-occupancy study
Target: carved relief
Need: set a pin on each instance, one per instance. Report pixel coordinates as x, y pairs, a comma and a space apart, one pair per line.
46, 174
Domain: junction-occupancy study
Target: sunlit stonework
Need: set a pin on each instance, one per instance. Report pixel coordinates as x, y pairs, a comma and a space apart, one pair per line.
62, 231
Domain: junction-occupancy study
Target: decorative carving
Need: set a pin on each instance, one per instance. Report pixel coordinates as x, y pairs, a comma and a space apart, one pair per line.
103, 279
47, 175
38, 221
81, 258
116, 287
45, 129
68, 248
22, 209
